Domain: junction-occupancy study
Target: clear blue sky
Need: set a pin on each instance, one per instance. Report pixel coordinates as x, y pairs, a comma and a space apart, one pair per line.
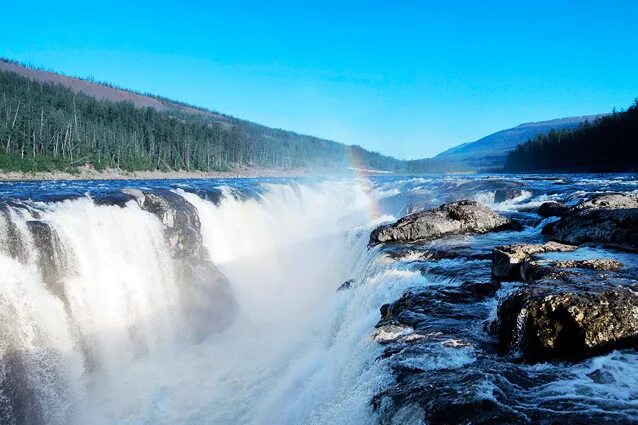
406, 78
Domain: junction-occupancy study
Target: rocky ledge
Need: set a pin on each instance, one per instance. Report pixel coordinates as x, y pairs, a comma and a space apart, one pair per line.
455, 218
610, 219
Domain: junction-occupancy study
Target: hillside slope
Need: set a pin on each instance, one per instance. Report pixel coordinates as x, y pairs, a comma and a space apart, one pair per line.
490, 151
51, 121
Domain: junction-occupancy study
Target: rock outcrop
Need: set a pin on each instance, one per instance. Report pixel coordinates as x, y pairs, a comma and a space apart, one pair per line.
568, 322
455, 218
610, 219
507, 260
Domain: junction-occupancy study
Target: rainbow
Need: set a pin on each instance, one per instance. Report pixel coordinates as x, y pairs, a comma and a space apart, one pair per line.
361, 174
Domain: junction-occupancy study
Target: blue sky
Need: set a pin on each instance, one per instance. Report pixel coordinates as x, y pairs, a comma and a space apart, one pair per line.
406, 78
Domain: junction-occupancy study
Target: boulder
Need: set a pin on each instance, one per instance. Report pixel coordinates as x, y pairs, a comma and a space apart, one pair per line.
567, 322
610, 219
507, 260
551, 209
455, 218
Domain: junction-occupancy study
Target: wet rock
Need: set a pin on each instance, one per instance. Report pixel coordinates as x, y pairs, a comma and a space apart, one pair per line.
507, 260
566, 322
12, 243
345, 285
179, 219
455, 218
610, 219
551, 209
506, 194
53, 261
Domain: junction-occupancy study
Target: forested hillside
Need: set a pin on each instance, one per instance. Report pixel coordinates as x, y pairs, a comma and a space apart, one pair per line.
47, 126
608, 144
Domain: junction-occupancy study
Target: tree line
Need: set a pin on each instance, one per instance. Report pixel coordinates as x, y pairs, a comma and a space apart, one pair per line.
609, 144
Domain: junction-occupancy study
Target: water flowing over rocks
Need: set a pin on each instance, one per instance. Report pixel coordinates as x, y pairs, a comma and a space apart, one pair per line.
207, 293
455, 218
610, 219
507, 194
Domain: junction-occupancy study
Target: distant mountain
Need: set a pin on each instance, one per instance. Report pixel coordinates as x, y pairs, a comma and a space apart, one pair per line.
490, 151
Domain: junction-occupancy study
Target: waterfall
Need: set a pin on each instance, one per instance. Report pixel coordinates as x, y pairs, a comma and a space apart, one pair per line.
173, 308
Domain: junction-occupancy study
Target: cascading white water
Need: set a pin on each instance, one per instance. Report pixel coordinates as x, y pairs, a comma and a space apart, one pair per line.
114, 346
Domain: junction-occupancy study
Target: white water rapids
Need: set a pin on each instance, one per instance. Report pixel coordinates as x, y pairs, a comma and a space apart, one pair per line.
112, 344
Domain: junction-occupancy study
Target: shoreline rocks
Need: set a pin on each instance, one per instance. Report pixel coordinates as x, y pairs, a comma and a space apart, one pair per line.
455, 218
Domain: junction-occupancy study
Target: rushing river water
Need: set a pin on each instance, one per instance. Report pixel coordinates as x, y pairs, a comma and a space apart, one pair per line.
106, 319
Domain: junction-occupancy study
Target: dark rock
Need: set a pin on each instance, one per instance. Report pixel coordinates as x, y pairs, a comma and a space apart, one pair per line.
502, 195
112, 198
455, 218
567, 322
345, 285
507, 260
12, 243
610, 219
551, 209
53, 261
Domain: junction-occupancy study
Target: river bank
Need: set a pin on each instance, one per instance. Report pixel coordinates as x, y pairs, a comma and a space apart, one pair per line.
90, 173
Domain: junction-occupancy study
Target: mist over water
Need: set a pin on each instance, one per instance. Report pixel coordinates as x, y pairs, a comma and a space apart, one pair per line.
110, 342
